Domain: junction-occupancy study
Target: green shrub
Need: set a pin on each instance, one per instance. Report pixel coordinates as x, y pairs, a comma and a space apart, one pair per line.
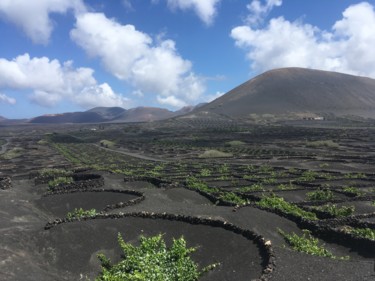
367, 233
205, 172
320, 195
307, 244
80, 213
278, 203
197, 184
352, 190
308, 176
59, 181
335, 211
232, 198
288, 186
152, 261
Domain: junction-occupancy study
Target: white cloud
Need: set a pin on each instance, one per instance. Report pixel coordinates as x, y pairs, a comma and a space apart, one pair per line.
205, 9
171, 100
348, 47
132, 56
53, 82
102, 95
33, 17
258, 10
5, 99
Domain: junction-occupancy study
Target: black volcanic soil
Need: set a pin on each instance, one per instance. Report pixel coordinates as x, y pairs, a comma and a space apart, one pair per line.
60, 204
269, 155
77, 244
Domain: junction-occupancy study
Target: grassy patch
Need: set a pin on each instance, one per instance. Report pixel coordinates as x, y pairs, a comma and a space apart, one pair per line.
13, 153
59, 181
320, 195
213, 153
53, 172
288, 186
80, 213
335, 211
205, 172
354, 191
152, 261
232, 198
234, 143
323, 143
278, 203
197, 184
367, 233
107, 143
307, 244
355, 176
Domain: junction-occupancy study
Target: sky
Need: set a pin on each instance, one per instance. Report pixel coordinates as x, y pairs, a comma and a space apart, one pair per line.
72, 55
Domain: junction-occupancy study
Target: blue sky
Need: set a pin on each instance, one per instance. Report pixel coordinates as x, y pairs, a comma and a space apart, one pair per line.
71, 55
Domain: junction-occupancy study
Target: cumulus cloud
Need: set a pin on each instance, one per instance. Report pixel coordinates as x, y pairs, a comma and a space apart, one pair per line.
33, 17
258, 10
205, 9
5, 99
133, 56
347, 47
53, 82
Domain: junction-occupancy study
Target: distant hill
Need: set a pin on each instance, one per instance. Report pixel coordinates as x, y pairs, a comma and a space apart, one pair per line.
108, 113
2, 118
74, 117
111, 114
144, 114
296, 92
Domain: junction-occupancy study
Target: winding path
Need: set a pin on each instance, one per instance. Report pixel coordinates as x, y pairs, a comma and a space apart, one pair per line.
135, 155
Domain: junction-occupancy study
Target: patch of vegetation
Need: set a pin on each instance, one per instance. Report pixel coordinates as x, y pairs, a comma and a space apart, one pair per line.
354, 191
336, 211
367, 233
2, 142
232, 198
323, 143
278, 203
54, 172
205, 172
253, 187
107, 143
152, 261
324, 165
308, 176
288, 186
223, 169
268, 180
355, 176
320, 195
213, 153
308, 244
234, 143
13, 153
80, 213
197, 184
52, 184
